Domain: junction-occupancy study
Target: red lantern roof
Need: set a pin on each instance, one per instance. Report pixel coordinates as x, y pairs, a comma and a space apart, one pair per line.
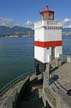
47, 10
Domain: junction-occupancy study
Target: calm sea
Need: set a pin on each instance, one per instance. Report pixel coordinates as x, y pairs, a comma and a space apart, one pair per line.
16, 57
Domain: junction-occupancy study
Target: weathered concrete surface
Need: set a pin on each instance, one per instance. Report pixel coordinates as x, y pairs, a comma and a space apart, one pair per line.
34, 99
6, 100
57, 89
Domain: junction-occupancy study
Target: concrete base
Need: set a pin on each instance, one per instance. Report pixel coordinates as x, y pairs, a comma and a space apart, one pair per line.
39, 67
68, 59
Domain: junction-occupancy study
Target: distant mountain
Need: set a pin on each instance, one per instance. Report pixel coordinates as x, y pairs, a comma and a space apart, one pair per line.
14, 30
4, 30
66, 30
19, 30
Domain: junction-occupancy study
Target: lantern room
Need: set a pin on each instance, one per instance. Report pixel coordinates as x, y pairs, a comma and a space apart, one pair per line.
47, 14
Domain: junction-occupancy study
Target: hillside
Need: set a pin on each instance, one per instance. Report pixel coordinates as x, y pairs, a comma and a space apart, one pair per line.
15, 30
66, 30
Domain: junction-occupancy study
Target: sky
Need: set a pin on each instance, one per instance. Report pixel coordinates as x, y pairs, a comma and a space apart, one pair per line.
22, 12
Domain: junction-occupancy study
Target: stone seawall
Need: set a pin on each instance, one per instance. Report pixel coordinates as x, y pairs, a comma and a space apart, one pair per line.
8, 97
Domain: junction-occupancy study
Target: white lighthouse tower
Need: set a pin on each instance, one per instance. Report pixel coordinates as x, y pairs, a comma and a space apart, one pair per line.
47, 38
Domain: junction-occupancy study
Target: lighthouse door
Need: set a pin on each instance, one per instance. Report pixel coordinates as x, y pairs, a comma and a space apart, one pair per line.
53, 52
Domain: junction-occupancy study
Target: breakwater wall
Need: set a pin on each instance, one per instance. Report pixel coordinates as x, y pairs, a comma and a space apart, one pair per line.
9, 93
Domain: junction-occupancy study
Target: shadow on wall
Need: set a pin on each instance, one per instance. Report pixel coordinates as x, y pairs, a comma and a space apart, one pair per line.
24, 94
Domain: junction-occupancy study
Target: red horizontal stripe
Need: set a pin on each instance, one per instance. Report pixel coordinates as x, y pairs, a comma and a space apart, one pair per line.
48, 44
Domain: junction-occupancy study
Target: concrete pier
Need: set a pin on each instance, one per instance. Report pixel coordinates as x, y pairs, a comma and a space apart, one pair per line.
52, 89
8, 99
57, 88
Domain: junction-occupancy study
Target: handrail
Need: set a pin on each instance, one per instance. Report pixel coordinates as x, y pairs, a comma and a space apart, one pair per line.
49, 22
63, 58
13, 82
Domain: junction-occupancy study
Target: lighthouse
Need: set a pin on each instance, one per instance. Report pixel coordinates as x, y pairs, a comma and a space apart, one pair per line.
47, 39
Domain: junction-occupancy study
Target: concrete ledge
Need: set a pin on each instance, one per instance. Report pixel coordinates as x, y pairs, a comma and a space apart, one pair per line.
68, 59
7, 99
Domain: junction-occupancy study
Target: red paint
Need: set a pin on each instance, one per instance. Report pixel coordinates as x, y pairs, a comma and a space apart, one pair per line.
46, 11
48, 44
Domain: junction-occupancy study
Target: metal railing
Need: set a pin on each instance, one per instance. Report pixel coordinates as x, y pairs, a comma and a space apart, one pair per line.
63, 58
48, 23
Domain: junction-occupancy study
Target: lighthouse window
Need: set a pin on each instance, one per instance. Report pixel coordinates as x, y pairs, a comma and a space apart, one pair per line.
57, 28
60, 27
50, 27
54, 28
47, 48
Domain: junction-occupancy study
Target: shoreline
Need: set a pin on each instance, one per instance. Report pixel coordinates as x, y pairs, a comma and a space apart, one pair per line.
63, 34
14, 36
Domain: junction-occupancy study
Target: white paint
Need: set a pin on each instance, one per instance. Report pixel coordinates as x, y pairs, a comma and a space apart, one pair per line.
39, 34
52, 35
43, 32
39, 54
58, 51
43, 23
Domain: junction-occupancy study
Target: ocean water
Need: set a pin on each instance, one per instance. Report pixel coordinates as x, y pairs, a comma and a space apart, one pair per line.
16, 56
66, 45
